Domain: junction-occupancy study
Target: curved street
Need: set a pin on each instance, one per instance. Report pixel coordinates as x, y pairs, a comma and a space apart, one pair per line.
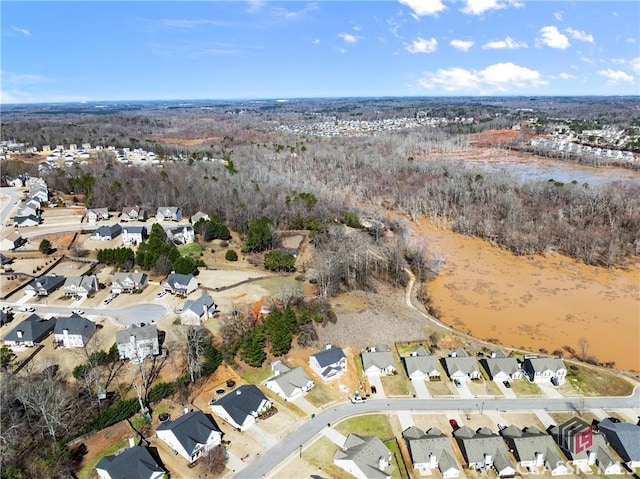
310, 428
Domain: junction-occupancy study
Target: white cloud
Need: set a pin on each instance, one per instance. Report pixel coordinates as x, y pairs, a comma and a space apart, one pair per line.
462, 45
566, 76
500, 77
478, 7
356, 28
420, 45
425, 7
558, 16
580, 35
348, 38
24, 31
615, 76
255, 5
551, 37
316, 41
508, 43
633, 63
22, 78
294, 14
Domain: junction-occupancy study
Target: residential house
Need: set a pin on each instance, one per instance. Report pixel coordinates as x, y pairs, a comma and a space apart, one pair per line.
242, 406
545, 369
196, 312
138, 342
12, 241
85, 285
30, 208
500, 367
483, 450
97, 214
44, 285
191, 435
421, 365
133, 463
584, 447
329, 363
40, 193
624, 438
133, 235
459, 365
364, 457
199, 216
106, 232
534, 449
169, 213
133, 213
288, 383
431, 450
30, 332
181, 234
127, 282
181, 284
4, 260
73, 332
378, 360
28, 220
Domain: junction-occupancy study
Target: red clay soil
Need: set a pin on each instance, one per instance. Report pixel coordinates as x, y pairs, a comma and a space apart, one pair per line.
497, 137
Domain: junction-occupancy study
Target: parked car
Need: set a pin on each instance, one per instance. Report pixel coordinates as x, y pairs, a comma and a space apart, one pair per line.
27, 309
507, 384
77, 311
454, 424
358, 400
108, 300
161, 293
457, 383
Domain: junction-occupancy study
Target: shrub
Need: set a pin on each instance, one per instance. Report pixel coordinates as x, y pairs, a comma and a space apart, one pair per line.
231, 255
161, 391
123, 409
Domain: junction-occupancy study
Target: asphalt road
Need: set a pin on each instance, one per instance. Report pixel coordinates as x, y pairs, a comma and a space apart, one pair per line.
14, 199
310, 428
136, 314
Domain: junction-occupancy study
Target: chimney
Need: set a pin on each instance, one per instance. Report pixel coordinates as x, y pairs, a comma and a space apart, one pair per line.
453, 354
592, 457
186, 409
65, 333
132, 442
328, 346
433, 461
539, 459
493, 354
19, 333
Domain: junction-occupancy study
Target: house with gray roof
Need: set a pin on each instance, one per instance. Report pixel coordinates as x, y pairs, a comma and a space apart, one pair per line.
544, 369
330, 363
584, 447
133, 213
195, 312
30, 208
12, 241
535, 449
138, 342
30, 332
44, 285
73, 332
96, 214
127, 282
288, 383
192, 435
106, 232
197, 216
624, 438
421, 365
364, 457
26, 220
483, 450
181, 234
85, 285
378, 360
133, 235
169, 213
242, 406
459, 365
431, 450
501, 367
133, 463
180, 284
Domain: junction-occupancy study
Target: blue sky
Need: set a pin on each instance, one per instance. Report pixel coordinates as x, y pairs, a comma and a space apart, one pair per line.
118, 50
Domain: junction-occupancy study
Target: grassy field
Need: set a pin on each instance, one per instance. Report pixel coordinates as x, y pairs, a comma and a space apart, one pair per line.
397, 385
257, 375
440, 388
86, 471
319, 395
590, 381
367, 425
399, 470
190, 249
522, 387
320, 455
405, 349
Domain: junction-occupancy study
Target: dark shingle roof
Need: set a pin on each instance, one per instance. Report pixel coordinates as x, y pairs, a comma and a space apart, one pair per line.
624, 436
329, 356
75, 324
34, 329
132, 463
190, 429
242, 402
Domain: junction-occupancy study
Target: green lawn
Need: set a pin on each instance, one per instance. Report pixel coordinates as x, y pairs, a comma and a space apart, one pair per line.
86, 471
190, 249
405, 349
397, 385
522, 387
367, 425
320, 454
257, 375
588, 381
399, 470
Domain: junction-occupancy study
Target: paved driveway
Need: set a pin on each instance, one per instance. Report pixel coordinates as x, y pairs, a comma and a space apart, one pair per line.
421, 388
549, 389
376, 382
507, 392
464, 391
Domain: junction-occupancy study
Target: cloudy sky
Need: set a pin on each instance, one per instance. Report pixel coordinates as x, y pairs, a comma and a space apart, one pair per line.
96, 51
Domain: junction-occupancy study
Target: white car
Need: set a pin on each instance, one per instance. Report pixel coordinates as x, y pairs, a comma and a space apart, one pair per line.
357, 400
27, 309
162, 293
77, 311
